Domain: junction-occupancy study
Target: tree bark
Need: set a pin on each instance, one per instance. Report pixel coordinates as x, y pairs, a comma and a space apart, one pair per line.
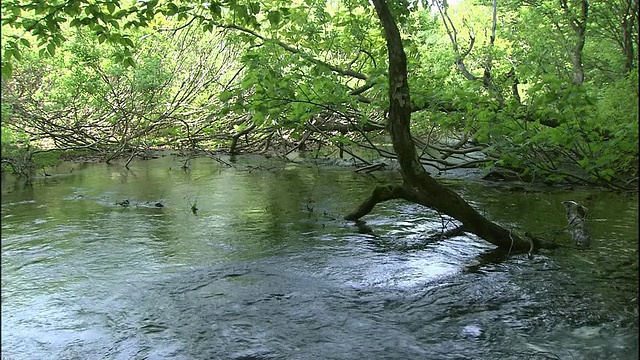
418, 186
579, 26
629, 18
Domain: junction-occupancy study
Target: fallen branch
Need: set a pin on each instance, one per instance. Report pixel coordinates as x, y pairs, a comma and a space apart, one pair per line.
236, 136
371, 168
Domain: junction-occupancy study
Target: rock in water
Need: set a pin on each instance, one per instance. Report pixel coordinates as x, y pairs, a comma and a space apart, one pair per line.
577, 217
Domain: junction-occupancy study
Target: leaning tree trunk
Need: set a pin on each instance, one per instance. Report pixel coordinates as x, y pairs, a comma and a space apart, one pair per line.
418, 186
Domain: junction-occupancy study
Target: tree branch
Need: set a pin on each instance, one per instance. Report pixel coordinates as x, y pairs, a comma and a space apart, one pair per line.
380, 194
293, 50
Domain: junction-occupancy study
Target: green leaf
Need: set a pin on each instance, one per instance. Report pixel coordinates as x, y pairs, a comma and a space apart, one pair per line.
16, 54
172, 9
7, 70
120, 14
51, 49
129, 62
246, 83
242, 12
255, 7
258, 118
274, 17
91, 9
215, 10
72, 8
127, 42
225, 96
111, 7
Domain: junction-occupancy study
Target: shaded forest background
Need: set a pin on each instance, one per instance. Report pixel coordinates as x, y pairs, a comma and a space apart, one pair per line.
545, 89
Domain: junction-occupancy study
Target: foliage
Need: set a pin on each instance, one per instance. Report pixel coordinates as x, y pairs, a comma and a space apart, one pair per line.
89, 100
14, 154
121, 76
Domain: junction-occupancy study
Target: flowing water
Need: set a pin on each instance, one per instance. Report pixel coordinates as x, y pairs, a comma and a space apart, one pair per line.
266, 269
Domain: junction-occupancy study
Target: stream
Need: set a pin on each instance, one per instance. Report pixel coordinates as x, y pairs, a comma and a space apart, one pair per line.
267, 269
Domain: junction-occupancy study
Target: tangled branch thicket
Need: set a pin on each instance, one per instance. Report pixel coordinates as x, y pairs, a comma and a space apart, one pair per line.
98, 105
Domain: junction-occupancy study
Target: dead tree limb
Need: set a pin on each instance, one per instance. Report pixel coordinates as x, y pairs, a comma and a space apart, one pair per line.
371, 168
236, 136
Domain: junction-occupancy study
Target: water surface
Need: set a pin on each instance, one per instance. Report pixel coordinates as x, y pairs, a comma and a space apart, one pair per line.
267, 269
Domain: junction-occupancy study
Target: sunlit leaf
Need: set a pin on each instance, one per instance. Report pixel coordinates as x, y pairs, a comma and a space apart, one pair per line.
7, 69
225, 96
51, 49
274, 17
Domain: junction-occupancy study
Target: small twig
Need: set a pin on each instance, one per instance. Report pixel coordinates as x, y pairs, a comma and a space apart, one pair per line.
222, 162
193, 207
133, 154
511, 246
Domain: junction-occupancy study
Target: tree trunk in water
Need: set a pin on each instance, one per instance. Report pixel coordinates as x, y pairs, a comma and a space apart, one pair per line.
418, 186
